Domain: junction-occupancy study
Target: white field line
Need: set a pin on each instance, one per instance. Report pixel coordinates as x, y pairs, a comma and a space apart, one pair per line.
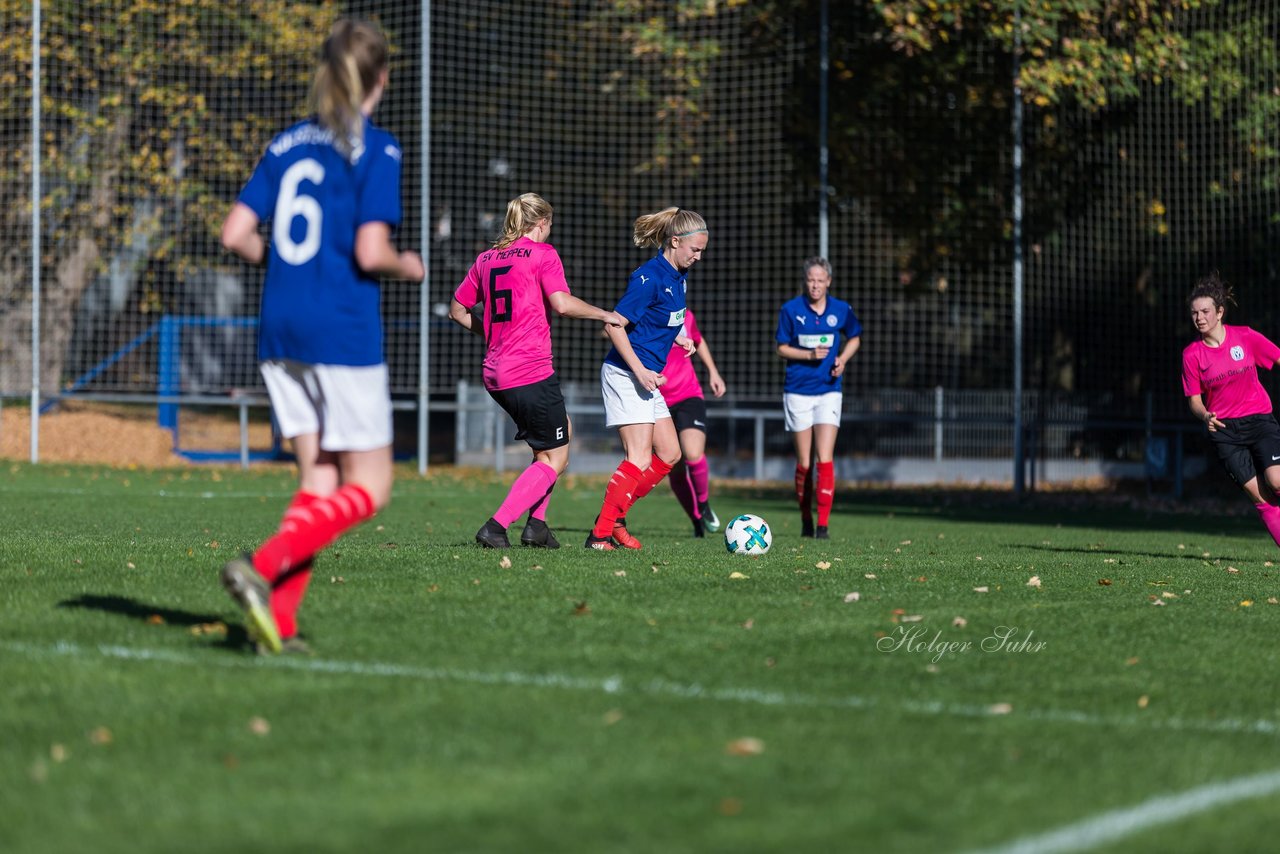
659, 688
1114, 825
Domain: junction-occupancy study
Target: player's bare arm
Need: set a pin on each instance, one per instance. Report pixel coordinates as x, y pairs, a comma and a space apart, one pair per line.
649, 380
377, 255
240, 234
567, 305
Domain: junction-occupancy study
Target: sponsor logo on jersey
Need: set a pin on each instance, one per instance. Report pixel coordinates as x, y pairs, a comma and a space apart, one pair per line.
1237, 353
676, 318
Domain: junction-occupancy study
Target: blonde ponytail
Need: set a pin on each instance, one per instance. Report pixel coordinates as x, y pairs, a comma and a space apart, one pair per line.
657, 229
523, 215
351, 61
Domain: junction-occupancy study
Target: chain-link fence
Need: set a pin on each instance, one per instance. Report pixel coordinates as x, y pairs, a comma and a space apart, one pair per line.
152, 115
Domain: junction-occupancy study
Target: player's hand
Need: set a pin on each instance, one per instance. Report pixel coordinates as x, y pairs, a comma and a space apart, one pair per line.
411, 266
612, 318
819, 353
686, 344
649, 380
717, 385
838, 368
1212, 421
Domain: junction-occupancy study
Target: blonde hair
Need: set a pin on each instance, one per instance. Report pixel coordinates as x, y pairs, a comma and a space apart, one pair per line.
657, 229
524, 212
351, 61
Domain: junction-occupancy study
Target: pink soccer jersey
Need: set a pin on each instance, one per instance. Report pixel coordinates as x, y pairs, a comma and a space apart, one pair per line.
682, 381
514, 283
1226, 377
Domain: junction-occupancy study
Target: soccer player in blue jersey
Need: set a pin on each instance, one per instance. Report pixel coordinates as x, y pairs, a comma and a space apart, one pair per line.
330, 187
808, 338
653, 306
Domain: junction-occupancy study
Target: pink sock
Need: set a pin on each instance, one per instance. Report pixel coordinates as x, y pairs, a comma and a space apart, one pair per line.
1271, 518
530, 487
698, 477
539, 509
683, 489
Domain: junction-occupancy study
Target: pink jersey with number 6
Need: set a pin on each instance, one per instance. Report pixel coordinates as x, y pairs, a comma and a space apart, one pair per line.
514, 283
1226, 377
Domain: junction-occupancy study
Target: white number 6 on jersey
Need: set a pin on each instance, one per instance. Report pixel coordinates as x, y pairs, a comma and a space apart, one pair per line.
289, 204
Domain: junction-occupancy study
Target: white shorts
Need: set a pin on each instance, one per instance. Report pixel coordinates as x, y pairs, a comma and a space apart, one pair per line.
626, 401
802, 411
350, 407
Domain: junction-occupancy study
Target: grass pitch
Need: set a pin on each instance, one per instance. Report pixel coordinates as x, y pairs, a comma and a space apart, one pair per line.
946, 673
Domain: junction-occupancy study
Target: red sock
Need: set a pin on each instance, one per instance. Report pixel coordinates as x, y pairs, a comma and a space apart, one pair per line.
291, 586
617, 497
826, 491
653, 475
306, 530
804, 492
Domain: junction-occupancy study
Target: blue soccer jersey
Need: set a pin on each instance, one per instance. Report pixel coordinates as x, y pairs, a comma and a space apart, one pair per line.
801, 326
318, 307
654, 308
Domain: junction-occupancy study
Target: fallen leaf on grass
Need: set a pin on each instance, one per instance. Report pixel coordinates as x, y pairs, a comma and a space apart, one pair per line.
823, 564
1132, 661
869, 575
215, 628
738, 575
505, 563
337, 579
1143, 701
612, 716
1271, 600
1233, 570
1000, 708
748, 624
259, 726
1104, 582
621, 573
983, 589
1034, 581
1168, 594
959, 622
58, 752
155, 620
101, 735
730, 806
1246, 603
744, 747
1155, 601
852, 597
581, 609
912, 618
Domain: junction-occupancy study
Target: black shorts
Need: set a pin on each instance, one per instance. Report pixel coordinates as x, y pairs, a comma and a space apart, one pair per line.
1247, 445
539, 413
690, 413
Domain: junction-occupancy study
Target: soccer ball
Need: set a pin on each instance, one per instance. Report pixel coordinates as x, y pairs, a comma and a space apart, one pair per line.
748, 535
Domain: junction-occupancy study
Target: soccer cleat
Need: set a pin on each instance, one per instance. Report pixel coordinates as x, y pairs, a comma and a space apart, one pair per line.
288, 646
536, 533
709, 518
622, 536
806, 527
492, 535
699, 531
600, 544
253, 594
821, 533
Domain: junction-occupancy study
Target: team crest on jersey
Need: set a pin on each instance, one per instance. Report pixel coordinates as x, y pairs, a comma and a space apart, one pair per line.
831, 320
1237, 353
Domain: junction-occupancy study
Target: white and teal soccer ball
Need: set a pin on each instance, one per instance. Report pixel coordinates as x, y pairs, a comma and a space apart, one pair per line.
748, 535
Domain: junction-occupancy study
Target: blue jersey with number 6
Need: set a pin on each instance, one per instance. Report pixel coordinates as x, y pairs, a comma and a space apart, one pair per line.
318, 307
